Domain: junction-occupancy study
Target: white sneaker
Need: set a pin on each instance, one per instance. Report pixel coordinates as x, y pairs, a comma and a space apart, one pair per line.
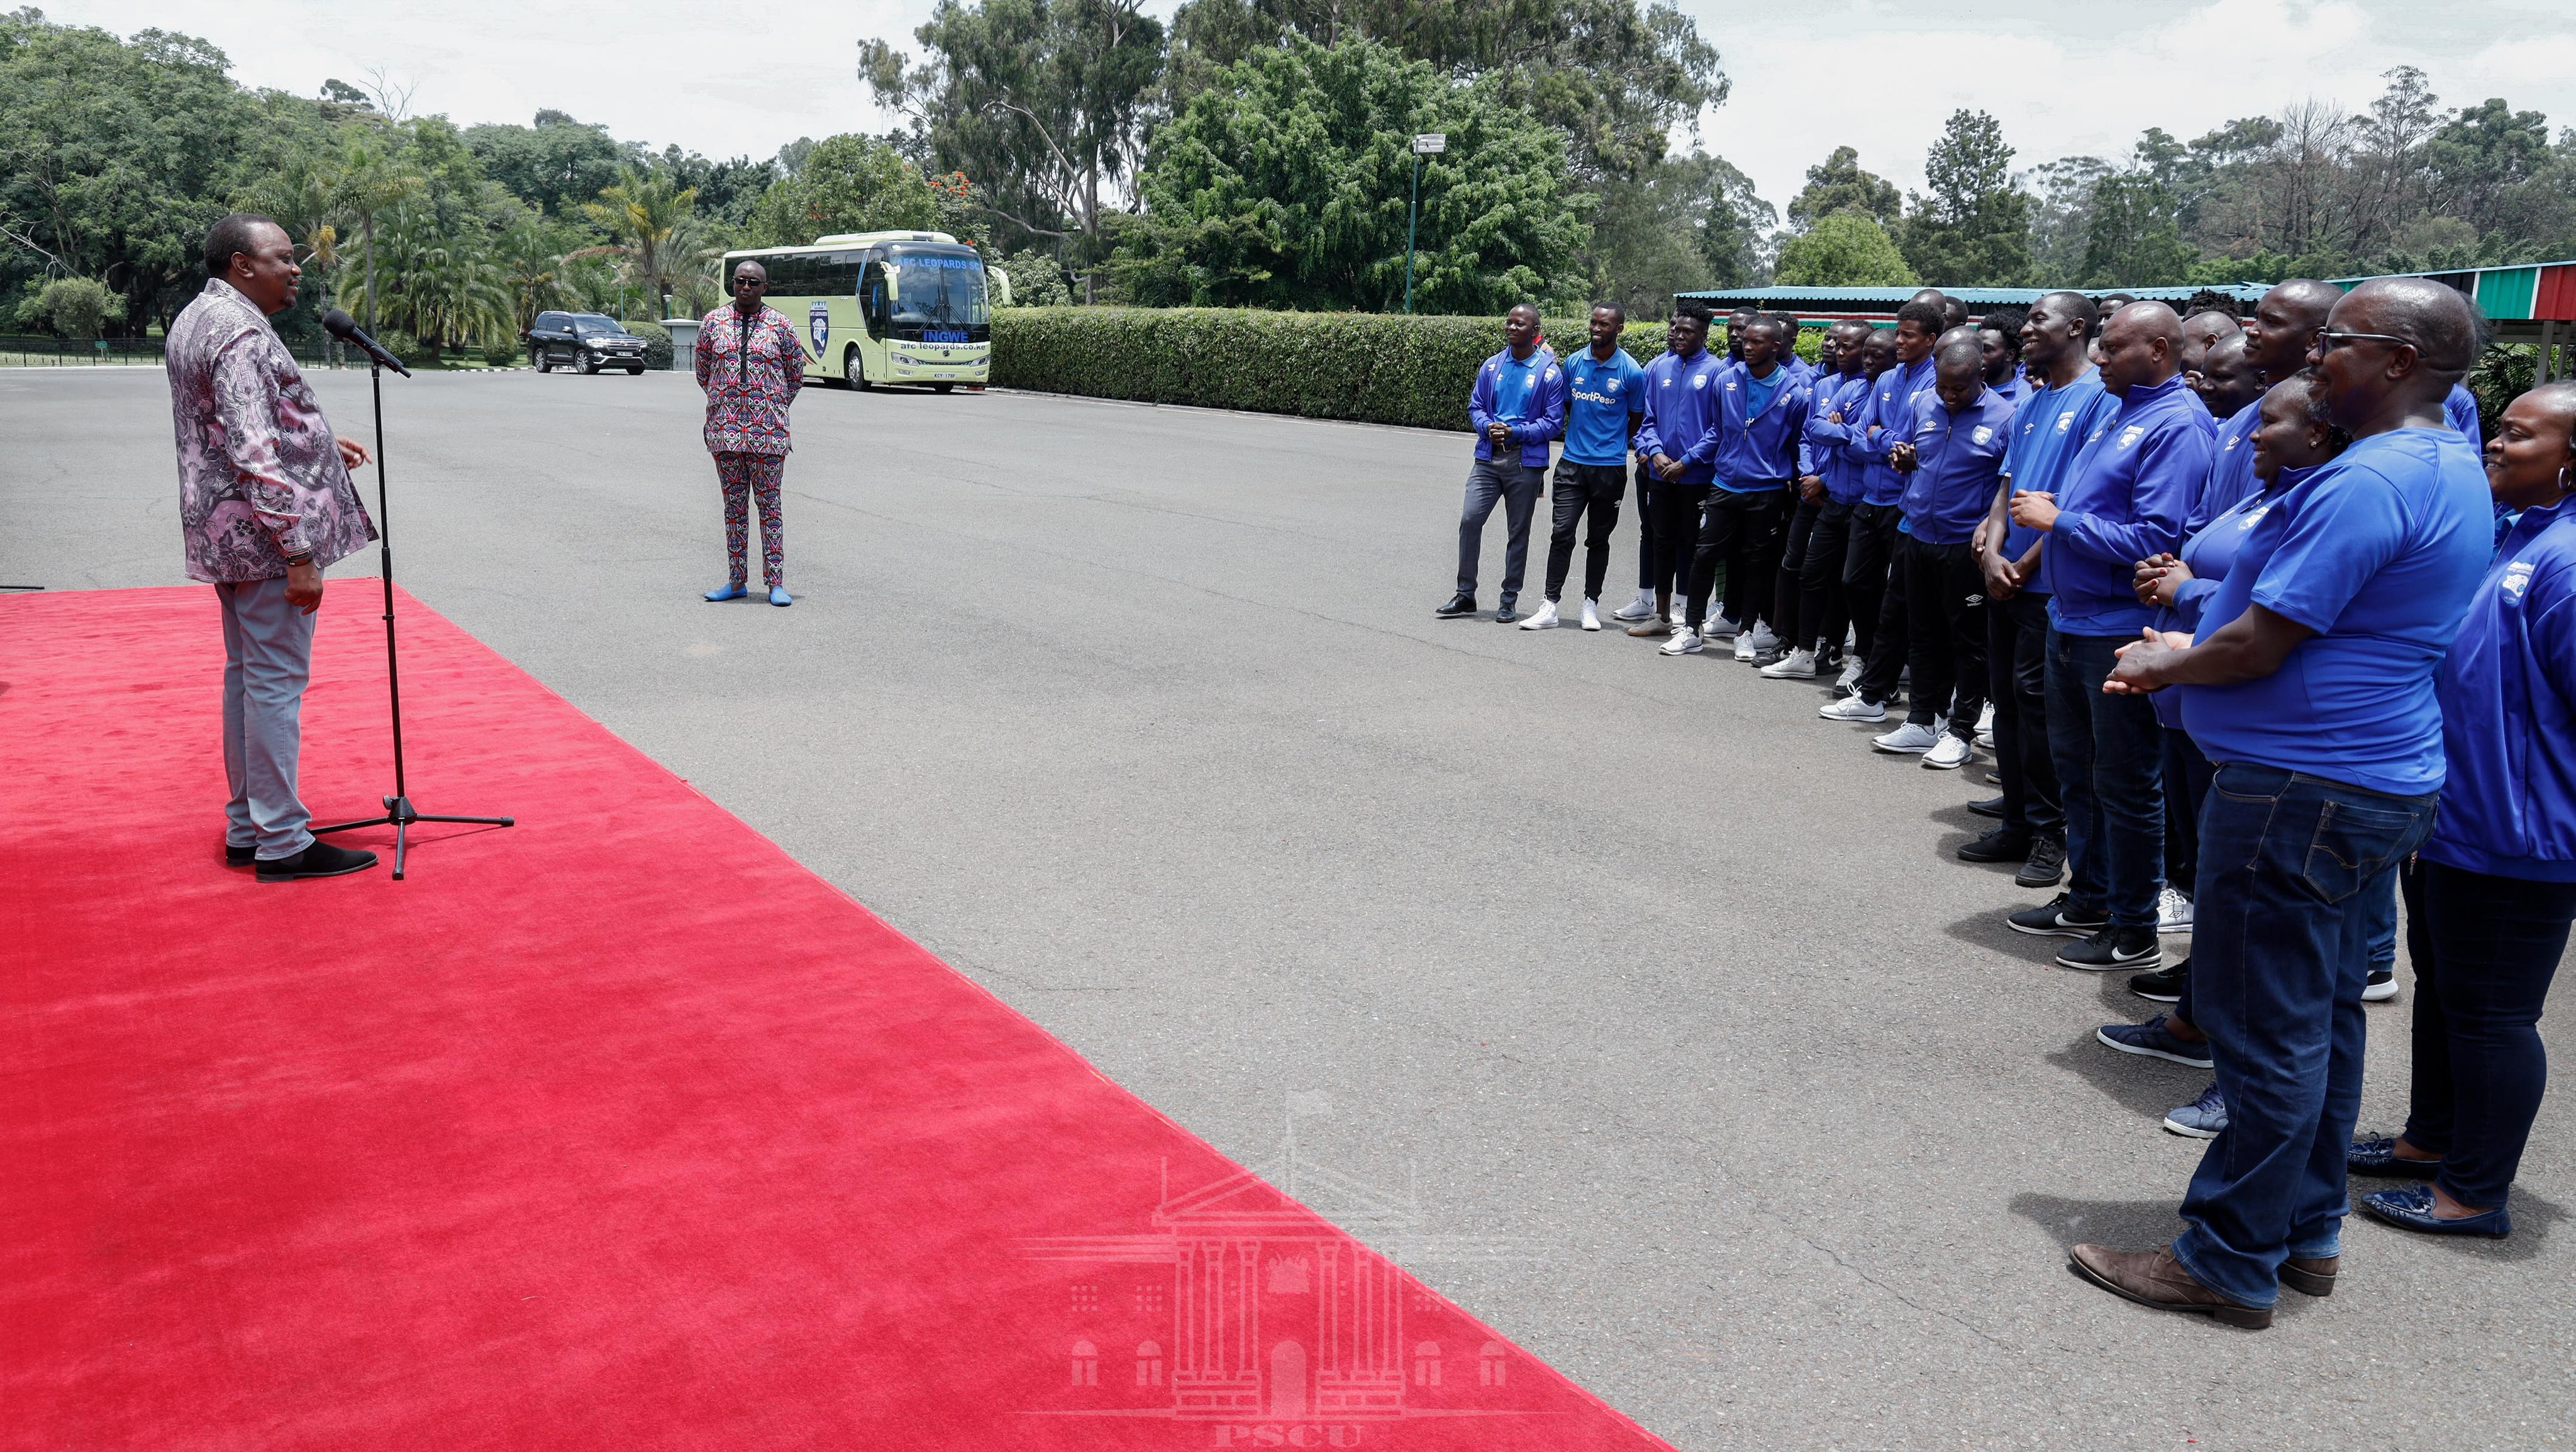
1797, 665
1765, 641
1907, 740
1853, 708
1986, 720
2381, 989
1684, 642
1720, 628
1948, 754
1543, 618
1744, 654
1592, 615
1851, 674
1641, 608
2173, 911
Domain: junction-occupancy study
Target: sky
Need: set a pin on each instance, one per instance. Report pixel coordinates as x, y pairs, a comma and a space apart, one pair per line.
2064, 78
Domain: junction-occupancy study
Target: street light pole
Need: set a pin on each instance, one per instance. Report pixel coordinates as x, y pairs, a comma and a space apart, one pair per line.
1429, 143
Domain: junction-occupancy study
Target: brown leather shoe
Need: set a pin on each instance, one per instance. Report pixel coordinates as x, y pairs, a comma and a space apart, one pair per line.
2155, 1278
1651, 628
2311, 1275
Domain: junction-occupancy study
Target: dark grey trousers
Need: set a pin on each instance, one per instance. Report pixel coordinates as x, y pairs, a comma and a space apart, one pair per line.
1517, 487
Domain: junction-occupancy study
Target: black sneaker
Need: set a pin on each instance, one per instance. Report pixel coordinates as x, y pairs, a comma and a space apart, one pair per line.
1990, 807
2003, 844
2060, 919
2162, 985
319, 860
2045, 865
2113, 949
1459, 604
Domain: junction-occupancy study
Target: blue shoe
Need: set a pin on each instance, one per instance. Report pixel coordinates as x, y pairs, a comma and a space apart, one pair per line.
2155, 1041
729, 592
2410, 1207
778, 596
2379, 1157
2202, 1118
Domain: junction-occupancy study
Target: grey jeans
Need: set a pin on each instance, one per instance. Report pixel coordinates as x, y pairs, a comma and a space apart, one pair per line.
268, 656
1517, 486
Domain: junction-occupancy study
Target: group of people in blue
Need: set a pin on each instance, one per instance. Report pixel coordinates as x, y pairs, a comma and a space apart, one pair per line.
2261, 633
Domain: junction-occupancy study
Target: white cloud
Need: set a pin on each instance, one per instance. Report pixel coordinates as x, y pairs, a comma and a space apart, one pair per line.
2531, 60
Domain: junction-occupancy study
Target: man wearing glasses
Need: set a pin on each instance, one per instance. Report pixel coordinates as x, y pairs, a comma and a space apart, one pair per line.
750, 362
2310, 682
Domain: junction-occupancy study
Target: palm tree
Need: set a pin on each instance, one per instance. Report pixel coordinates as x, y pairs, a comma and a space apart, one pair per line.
370, 179
441, 287
535, 271
642, 213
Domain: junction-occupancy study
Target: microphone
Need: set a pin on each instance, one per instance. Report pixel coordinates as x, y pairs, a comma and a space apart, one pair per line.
345, 328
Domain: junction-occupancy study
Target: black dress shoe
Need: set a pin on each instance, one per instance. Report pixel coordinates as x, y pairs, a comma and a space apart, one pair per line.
2003, 844
2045, 865
1990, 807
1458, 605
1507, 614
319, 860
239, 856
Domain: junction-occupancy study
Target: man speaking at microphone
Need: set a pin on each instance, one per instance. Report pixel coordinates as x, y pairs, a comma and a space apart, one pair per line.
265, 506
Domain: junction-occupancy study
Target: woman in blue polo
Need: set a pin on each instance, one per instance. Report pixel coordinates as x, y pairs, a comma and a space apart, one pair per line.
2490, 897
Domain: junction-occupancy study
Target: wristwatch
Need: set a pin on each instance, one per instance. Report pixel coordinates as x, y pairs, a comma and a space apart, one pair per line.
300, 557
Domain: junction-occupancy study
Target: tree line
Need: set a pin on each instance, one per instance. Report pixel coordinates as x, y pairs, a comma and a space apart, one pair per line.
1247, 153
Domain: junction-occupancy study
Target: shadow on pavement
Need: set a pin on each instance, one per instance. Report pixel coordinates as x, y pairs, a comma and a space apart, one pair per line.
2145, 1087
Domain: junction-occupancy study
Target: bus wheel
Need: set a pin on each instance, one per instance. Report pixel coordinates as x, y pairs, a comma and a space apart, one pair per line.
854, 373
941, 387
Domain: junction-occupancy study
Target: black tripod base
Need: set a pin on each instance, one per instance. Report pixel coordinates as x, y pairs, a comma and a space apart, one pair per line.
399, 816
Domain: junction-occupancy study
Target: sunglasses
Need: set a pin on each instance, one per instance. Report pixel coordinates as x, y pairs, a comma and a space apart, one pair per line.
2328, 339
742, 282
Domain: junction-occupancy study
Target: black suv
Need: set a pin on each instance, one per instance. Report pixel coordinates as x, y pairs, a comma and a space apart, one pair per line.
586, 341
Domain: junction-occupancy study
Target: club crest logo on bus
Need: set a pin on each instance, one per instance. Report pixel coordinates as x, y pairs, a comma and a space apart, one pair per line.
818, 321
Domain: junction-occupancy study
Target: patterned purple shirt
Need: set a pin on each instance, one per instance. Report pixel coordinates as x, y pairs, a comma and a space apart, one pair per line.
751, 372
260, 476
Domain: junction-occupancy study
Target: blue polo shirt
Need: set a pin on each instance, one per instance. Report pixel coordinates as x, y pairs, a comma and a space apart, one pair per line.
2508, 696
2461, 408
1681, 412
1760, 425
2123, 501
1599, 397
2048, 431
1957, 458
2210, 553
2231, 478
2379, 553
1526, 393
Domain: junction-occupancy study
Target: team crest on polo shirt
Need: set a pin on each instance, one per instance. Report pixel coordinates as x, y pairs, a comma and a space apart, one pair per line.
2517, 578
1551, 373
1700, 380
2131, 434
2065, 421
1981, 434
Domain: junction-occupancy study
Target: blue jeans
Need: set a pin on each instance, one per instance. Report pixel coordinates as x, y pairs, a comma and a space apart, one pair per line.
2290, 868
2109, 753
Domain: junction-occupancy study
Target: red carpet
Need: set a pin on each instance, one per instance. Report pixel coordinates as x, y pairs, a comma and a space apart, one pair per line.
617, 1129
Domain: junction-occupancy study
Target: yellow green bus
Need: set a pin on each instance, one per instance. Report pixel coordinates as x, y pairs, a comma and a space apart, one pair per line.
886, 307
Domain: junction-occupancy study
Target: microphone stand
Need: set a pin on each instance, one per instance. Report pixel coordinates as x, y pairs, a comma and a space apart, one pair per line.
399, 813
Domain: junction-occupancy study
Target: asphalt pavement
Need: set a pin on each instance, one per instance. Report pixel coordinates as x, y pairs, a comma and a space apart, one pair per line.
1717, 1081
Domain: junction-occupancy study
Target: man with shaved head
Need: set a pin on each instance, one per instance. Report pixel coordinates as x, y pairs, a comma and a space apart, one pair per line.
2201, 332
2311, 683
2123, 501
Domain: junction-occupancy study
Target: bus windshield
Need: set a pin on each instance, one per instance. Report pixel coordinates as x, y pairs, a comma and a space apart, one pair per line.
938, 292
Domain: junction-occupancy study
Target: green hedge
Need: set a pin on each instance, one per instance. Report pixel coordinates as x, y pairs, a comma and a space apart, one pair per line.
1365, 367
657, 343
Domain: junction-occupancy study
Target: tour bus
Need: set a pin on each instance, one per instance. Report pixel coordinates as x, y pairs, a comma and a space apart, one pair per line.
886, 307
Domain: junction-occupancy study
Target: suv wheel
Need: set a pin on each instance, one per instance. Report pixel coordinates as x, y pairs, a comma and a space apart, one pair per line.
537, 356
588, 364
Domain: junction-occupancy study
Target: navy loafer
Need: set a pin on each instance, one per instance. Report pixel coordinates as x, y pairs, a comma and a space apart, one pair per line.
2410, 1207
2379, 1157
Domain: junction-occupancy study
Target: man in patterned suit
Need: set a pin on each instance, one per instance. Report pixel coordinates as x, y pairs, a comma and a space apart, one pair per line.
265, 505
750, 362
